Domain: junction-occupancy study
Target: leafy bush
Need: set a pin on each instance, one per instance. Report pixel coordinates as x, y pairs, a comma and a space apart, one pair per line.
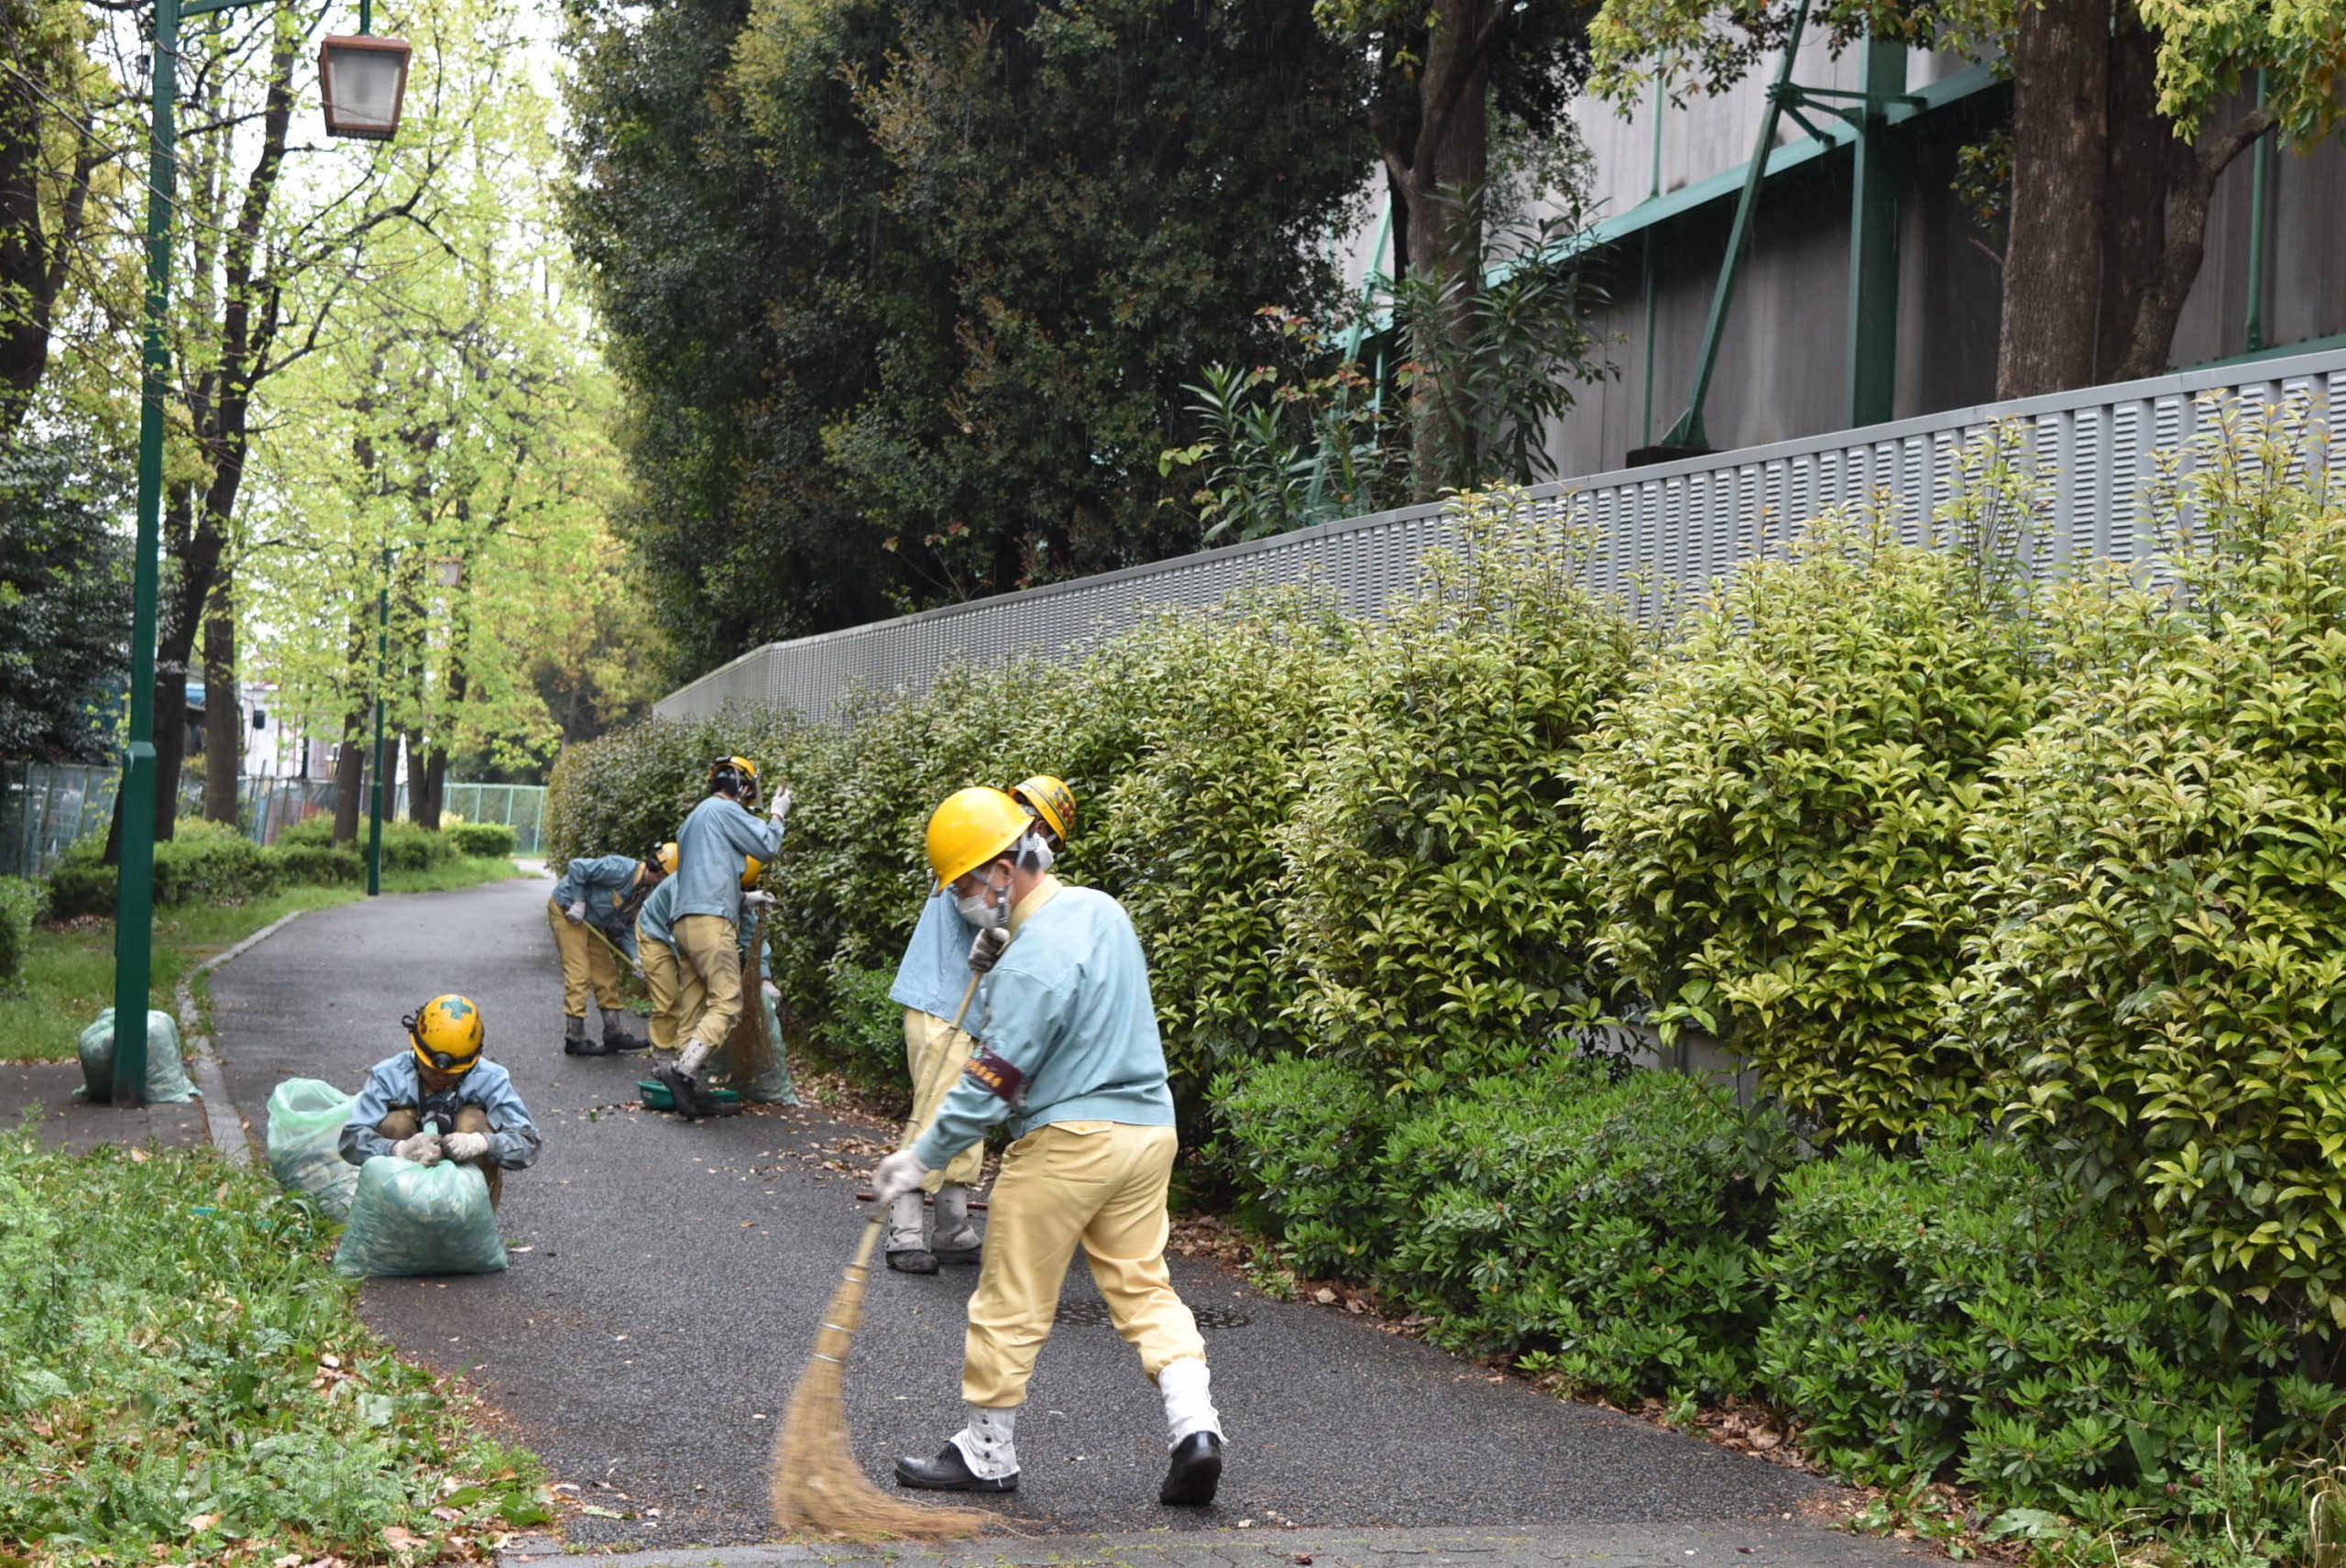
488, 840
408, 848
1300, 1137
319, 864
1777, 809
315, 830
862, 1033
206, 863
1958, 1312
2166, 856
79, 886
1431, 906
20, 905
1603, 1233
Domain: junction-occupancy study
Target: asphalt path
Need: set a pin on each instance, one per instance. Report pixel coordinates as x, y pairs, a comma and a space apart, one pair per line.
667, 1277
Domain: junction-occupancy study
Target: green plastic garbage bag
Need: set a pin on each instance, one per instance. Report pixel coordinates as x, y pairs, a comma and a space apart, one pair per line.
167, 1082
407, 1217
766, 1081
305, 1120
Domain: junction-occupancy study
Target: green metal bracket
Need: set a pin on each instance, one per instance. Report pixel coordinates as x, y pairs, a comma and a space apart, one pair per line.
2260, 189
1687, 436
1876, 177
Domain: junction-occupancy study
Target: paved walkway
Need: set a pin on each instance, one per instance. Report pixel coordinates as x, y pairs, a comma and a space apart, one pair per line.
76, 1125
667, 1277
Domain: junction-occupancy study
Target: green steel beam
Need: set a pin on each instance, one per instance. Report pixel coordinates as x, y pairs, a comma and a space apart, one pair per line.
375, 808
2260, 189
1879, 173
1687, 434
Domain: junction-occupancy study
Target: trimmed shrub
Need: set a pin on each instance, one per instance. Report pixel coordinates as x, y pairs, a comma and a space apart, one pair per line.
1602, 1233
319, 864
79, 886
20, 905
1777, 809
408, 848
1299, 1140
1957, 1314
484, 840
1431, 906
2166, 858
208, 862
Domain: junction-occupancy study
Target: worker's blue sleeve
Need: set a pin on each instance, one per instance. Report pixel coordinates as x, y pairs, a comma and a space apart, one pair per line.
513, 1142
385, 1088
1020, 1017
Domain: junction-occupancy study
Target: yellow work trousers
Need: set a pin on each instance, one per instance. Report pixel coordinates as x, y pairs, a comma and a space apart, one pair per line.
676, 992
587, 962
1098, 1184
709, 950
403, 1123
935, 1053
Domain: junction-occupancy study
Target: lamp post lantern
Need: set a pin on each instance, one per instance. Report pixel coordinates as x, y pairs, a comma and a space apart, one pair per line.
133, 909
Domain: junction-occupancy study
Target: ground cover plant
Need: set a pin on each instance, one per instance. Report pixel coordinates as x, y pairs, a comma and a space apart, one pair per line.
180, 1365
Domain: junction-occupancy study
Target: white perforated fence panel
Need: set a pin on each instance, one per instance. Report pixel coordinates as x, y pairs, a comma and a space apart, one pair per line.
1673, 526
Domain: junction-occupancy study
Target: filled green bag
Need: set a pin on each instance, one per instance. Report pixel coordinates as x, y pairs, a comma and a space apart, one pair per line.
407, 1217
767, 1080
305, 1118
167, 1082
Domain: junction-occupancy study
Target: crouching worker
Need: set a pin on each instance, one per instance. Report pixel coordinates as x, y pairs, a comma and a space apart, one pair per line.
440, 1099
1070, 1057
604, 893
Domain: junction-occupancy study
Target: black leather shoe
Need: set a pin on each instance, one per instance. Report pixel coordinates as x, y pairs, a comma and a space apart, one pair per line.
617, 1039
693, 1102
1195, 1472
580, 1045
948, 1472
913, 1260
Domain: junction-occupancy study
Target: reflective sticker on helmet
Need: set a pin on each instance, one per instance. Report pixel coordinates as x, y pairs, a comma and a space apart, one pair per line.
1004, 1081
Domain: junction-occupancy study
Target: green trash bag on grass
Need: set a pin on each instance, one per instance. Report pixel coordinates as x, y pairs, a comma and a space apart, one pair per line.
167, 1082
407, 1217
305, 1118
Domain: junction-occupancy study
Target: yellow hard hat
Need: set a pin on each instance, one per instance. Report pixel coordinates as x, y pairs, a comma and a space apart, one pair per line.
736, 774
664, 857
445, 1035
1049, 799
753, 868
972, 826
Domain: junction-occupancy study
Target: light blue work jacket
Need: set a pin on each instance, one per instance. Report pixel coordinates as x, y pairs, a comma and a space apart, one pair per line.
936, 970
393, 1084
656, 923
614, 893
711, 849
1071, 1033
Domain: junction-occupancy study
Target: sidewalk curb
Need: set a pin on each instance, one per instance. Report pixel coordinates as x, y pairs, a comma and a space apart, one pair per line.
221, 1119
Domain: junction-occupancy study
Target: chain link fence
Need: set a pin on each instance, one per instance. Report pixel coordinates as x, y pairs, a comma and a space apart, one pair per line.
1658, 533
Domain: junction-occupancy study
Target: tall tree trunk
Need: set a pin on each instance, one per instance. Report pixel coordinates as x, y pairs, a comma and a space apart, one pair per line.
224, 728
350, 777
2052, 270
2187, 240
38, 237
2143, 157
418, 801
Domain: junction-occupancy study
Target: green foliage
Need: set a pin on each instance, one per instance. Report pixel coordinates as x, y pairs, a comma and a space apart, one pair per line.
484, 839
20, 905
1959, 1312
64, 600
1777, 805
323, 864
862, 1032
1598, 1233
1430, 909
196, 1295
2167, 865
1299, 1138
906, 294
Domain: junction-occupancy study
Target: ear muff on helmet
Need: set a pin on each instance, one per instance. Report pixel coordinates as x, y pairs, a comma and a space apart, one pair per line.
1050, 800
752, 869
445, 1035
664, 857
736, 776
972, 826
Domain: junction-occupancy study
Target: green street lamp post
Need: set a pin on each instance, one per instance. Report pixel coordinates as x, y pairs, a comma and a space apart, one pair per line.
371, 95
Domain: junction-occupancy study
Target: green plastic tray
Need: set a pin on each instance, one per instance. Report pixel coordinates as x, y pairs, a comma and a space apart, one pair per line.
657, 1097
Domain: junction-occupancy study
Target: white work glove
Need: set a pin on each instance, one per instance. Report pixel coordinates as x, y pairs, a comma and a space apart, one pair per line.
462, 1146
895, 1176
759, 899
423, 1148
779, 808
576, 913
987, 949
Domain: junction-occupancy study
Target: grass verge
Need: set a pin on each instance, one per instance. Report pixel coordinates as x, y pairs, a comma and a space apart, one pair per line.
69, 973
182, 1376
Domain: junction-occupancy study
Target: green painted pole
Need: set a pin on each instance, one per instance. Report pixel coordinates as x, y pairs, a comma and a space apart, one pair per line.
1873, 240
375, 810
1688, 432
134, 907
1652, 238
2260, 189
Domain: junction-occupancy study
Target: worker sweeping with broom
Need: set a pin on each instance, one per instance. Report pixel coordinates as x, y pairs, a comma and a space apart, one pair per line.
593, 913
1071, 1057
928, 984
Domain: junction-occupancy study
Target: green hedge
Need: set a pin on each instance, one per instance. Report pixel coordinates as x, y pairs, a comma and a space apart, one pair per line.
482, 840
210, 863
20, 904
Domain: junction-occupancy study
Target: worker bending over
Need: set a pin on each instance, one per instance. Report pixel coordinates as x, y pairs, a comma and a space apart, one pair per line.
1072, 1058
441, 1099
679, 1000
714, 851
930, 983
603, 892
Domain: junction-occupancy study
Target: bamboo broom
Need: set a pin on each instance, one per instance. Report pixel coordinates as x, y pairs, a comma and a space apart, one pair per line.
817, 1484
